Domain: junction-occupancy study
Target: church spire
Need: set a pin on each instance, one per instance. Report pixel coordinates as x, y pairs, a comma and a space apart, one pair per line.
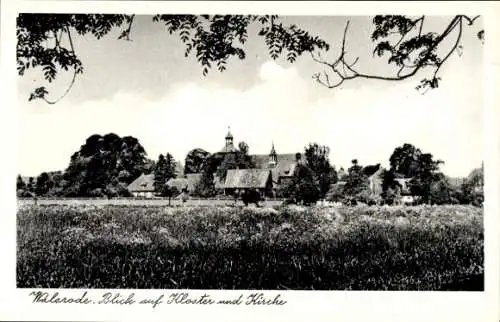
273, 157
273, 151
229, 136
228, 147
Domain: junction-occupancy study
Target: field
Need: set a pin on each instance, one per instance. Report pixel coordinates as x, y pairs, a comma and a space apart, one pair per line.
207, 247
144, 202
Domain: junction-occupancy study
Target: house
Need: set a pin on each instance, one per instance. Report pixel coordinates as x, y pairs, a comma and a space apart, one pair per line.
282, 166
374, 173
188, 183
143, 186
375, 179
239, 180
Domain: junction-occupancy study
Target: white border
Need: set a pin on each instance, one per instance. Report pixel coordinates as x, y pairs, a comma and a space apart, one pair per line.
338, 305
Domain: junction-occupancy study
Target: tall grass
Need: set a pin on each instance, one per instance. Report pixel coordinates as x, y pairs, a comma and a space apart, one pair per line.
360, 248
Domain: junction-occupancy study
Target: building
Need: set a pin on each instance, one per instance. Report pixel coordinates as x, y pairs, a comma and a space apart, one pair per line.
271, 171
245, 179
280, 166
187, 184
143, 186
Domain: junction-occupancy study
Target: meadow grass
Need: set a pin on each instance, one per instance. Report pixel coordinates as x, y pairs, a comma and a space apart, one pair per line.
299, 248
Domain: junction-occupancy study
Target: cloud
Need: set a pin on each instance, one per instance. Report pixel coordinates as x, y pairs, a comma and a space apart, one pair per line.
365, 124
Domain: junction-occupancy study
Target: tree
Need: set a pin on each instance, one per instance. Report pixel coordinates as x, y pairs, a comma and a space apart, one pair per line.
302, 188
169, 191
442, 193
194, 160
206, 186
405, 160
390, 187
317, 159
170, 166
20, 184
160, 175
45, 41
473, 188
428, 173
31, 185
240, 159
357, 184
104, 165
410, 162
43, 184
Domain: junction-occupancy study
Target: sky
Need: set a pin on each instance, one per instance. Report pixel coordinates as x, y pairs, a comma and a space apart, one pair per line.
148, 89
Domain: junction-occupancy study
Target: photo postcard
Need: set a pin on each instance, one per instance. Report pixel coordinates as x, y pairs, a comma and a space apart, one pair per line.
236, 162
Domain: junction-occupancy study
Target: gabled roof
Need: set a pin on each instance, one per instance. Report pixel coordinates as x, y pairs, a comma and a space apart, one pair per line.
247, 178
370, 170
145, 183
284, 168
189, 182
179, 183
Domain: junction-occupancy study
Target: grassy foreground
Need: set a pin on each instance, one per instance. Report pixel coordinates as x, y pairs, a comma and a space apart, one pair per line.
360, 248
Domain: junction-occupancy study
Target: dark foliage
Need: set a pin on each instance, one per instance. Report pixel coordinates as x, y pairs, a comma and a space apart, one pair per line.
213, 39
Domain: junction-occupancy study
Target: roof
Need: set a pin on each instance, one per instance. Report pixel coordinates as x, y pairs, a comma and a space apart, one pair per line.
372, 169
247, 178
335, 190
145, 183
189, 181
455, 182
179, 183
228, 148
284, 168
476, 175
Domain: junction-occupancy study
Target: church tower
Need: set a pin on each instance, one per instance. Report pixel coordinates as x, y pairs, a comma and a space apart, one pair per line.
228, 146
229, 138
273, 157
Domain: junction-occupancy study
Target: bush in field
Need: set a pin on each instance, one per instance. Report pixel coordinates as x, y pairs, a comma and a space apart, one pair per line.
293, 247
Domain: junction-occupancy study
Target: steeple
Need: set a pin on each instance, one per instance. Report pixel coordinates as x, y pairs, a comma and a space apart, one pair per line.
273, 157
228, 147
229, 137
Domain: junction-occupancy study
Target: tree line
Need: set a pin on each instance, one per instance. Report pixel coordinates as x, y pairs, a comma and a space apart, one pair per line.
106, 164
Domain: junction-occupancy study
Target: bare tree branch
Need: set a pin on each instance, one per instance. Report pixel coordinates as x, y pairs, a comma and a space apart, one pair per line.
347, 71
452, 50
470, 21
129, 28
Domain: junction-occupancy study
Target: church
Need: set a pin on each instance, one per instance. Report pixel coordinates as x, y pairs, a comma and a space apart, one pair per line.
271, 171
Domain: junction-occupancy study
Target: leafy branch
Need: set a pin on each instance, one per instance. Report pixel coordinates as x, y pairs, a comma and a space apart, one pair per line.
213, 39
